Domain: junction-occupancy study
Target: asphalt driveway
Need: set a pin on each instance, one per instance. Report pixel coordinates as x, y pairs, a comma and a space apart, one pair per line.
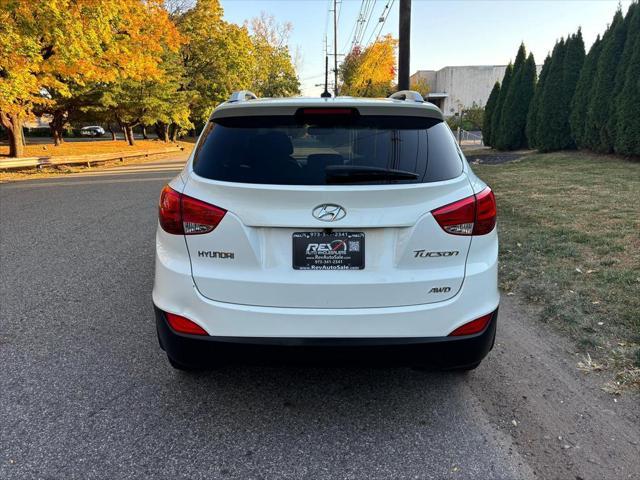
85, 391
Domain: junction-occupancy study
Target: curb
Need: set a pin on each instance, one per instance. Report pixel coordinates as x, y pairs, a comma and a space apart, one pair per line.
88, 159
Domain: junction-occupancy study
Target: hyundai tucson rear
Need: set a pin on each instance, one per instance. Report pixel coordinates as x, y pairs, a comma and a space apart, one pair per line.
302, 224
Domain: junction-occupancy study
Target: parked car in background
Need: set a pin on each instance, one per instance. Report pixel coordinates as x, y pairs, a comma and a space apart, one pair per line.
349, 223
92, 131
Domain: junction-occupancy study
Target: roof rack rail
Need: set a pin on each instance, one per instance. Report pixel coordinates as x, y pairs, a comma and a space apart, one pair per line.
242, 96
410, 95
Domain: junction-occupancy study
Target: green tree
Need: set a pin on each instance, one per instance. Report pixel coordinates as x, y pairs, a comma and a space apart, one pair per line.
632, 27
497, 114
513, 118
549, 134
597, 135
148, 101
627, 140
217, 57
275, 74
534, 107
582, 95
573, 62
504, 127
487, 126
220, 57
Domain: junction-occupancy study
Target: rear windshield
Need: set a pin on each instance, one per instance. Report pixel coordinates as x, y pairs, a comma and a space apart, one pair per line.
354, 150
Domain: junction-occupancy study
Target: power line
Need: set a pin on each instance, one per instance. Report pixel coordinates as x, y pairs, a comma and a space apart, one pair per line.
382, 20
364, 31
364, 16
348, 37
365, 25
377, 36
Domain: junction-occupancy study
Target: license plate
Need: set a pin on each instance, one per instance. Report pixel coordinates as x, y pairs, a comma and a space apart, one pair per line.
328, 251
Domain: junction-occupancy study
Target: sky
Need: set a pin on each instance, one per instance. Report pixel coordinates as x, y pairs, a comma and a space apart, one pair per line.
443, 33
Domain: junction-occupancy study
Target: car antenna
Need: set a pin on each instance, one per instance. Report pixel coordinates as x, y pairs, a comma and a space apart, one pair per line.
326, 93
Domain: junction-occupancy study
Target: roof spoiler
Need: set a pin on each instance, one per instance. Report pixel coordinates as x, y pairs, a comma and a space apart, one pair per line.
408, 95
242, 96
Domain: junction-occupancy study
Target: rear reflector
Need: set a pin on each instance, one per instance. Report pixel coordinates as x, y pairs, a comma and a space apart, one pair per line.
474, 326
184, 325
474, 215
183, 215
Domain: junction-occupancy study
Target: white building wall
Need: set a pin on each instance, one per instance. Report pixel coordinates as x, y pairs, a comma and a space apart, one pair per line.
463, 85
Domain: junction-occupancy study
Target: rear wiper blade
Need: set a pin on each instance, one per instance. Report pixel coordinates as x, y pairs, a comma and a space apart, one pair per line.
362, 173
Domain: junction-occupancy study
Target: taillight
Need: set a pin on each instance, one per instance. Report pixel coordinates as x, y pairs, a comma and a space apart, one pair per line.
474, 326
485, 212
474, 215
184, 325
182, 215
457, 218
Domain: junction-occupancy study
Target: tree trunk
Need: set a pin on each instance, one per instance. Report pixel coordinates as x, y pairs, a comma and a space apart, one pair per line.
162, 130
144, 132
174, 132
13, 125
129, 134
57, 127
112, 131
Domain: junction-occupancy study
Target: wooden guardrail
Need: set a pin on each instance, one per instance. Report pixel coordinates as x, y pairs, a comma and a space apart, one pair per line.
87, 159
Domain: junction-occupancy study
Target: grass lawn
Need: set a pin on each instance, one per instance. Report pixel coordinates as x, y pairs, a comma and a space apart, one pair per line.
45, 147
569, 226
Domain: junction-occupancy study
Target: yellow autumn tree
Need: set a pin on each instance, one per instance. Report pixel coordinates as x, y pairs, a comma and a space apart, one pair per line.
47, 48
370, 72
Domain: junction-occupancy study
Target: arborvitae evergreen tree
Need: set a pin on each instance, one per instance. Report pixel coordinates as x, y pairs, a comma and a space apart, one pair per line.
573, 62
632, 27
627, 141
511, 128
549, 133
597, 135
516, 106
495, 119
534, 107
582, 95
488, 114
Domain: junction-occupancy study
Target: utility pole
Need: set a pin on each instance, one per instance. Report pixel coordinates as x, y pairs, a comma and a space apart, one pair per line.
335, 46
404, 28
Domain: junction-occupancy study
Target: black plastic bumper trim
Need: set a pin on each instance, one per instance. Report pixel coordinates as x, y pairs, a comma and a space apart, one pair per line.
438, 352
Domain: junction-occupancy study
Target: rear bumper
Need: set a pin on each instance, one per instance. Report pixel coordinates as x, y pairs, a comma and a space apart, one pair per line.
174, 291
436, 352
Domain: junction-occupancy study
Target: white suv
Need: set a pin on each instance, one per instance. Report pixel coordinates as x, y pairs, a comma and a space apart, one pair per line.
331, 227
